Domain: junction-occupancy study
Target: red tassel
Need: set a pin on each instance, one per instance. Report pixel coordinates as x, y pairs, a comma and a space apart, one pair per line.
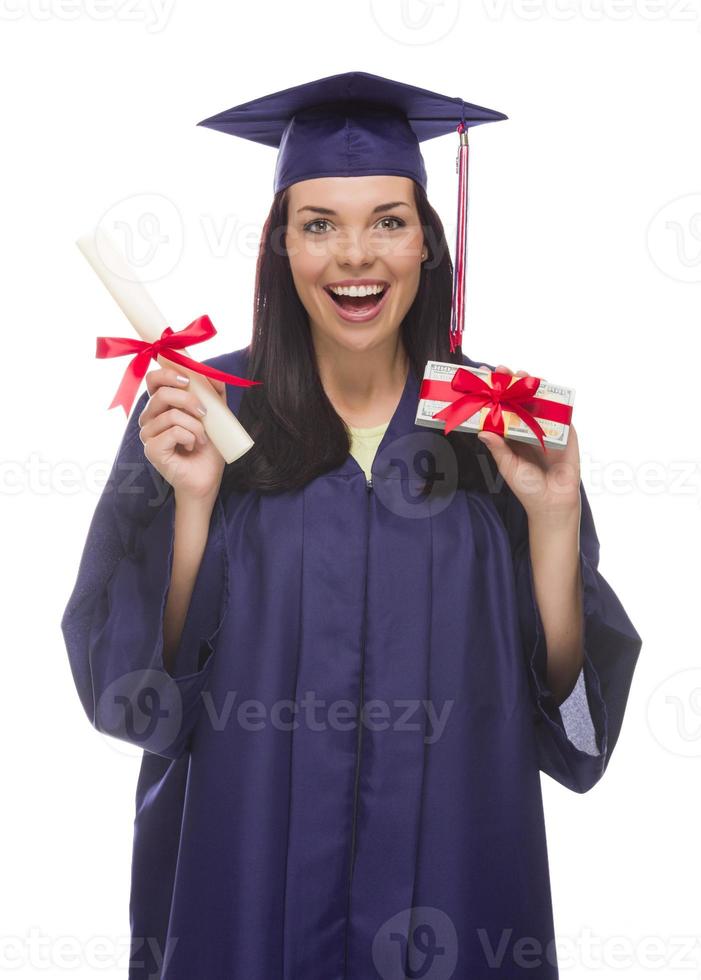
457, 314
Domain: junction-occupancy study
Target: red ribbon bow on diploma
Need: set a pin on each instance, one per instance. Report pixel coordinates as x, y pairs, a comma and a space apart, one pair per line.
503, 396
167, 344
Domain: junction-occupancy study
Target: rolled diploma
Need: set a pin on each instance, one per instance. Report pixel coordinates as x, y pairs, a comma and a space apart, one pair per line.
221, 425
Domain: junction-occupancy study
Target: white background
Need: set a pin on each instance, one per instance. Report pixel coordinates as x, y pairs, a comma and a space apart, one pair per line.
585, 268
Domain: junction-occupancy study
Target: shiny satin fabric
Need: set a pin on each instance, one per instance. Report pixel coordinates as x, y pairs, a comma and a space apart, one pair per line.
348, 125
275, 836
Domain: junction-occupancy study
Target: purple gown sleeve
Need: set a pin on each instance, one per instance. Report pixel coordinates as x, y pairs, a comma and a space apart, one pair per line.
113, 622
576, 739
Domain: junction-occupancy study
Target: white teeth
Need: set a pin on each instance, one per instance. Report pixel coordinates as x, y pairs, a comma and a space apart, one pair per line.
357, 290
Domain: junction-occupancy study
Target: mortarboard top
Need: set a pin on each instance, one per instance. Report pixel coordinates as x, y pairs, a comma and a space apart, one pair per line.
350, 124
357, 124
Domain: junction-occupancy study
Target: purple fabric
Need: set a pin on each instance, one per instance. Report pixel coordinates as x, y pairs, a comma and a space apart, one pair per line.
264, 851
346, 125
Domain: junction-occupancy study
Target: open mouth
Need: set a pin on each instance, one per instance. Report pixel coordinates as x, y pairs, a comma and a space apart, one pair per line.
358, 302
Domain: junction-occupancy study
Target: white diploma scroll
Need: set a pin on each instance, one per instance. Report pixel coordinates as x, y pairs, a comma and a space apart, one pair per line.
221, 425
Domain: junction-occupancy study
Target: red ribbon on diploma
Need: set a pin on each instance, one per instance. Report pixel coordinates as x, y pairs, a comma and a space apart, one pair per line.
468, 393
167, 344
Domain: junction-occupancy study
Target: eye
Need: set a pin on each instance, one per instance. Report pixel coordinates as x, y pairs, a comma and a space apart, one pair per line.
317, 221
399, 223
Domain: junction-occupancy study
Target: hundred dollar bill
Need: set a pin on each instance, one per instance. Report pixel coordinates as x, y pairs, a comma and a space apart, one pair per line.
555, 434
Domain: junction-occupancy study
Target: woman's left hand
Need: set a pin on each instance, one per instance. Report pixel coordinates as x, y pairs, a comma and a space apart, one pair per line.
546, 484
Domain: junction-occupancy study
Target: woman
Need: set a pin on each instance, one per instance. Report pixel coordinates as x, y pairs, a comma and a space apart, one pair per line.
346, 682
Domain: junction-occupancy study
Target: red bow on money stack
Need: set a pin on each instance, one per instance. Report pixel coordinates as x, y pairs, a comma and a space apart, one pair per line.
468, 393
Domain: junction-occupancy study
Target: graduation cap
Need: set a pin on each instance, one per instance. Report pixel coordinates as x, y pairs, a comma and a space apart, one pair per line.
357, 124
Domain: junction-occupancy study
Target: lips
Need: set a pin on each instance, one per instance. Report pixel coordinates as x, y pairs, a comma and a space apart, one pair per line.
358, 309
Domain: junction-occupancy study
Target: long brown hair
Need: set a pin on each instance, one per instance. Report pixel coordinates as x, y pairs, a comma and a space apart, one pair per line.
298, 434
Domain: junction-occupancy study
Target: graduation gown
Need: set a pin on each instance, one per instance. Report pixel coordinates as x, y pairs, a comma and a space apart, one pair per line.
279, 834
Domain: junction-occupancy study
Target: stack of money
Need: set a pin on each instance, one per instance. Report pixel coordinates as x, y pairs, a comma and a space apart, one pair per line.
555, 433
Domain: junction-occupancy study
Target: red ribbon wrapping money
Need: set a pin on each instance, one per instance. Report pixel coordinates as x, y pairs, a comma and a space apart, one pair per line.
167, 345
468, 393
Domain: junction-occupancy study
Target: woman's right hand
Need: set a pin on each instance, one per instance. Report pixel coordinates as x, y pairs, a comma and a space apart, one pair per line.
174, 438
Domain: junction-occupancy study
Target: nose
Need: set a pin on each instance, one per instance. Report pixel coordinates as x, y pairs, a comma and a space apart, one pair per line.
354, 249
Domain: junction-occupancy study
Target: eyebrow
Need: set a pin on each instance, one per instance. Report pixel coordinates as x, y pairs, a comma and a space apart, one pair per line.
380, 207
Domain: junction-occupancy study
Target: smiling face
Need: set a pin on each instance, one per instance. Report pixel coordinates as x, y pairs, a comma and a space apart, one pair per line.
355, 251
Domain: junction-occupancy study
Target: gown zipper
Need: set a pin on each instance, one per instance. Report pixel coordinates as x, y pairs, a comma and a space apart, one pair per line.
359, 741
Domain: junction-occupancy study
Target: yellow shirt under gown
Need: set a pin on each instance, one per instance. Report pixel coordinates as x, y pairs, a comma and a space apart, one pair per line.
364, 443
